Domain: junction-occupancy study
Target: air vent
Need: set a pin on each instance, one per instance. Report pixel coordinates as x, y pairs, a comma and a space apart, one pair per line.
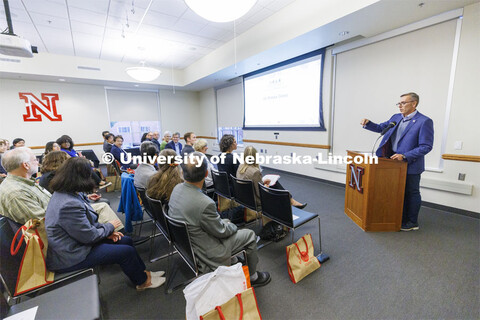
88, 68
10, 60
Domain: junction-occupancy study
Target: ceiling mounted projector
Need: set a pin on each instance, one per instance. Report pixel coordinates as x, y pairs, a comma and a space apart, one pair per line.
12, 45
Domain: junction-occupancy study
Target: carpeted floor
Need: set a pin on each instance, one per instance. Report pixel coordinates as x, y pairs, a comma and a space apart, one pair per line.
433, 273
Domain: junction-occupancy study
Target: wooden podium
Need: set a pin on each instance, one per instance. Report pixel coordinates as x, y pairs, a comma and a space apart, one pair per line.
374, 193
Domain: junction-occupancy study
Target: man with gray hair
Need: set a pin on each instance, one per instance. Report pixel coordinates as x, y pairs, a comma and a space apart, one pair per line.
21, 198
155, 137
174, 144
213, 239
146, 170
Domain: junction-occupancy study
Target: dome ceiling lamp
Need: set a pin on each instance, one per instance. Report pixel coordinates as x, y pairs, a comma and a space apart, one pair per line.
142, 73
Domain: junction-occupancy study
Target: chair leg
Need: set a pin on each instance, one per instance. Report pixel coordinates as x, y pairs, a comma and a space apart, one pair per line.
322, 257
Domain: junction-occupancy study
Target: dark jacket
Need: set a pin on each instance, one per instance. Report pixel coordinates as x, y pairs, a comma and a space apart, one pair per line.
171, 145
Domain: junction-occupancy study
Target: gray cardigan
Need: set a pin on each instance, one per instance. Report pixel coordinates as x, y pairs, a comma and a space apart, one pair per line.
72, 230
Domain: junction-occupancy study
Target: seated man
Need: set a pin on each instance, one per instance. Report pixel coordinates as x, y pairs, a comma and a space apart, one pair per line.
21, 199
174, 144
190, 139
213, 239
145, 171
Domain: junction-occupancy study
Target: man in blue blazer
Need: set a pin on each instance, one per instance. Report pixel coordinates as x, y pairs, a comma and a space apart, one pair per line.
409, 139
174, 144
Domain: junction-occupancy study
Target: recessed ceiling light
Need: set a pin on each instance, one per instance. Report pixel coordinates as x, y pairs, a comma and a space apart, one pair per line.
135, 85
193, 48
343, 33
61, 80
141, 48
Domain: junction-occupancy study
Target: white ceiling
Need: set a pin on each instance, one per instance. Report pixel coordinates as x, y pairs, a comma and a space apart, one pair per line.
171, 35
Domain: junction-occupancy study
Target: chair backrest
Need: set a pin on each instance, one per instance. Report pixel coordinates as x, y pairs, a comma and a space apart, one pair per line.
276, 205
159, 216
146, 203
90, 155
221, 184
181, 241
116, 166
9, 265
244, 193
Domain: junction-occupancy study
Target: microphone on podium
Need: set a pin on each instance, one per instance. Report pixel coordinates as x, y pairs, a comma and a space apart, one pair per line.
385, 130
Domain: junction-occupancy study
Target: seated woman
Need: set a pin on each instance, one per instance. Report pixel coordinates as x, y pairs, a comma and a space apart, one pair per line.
201, 146
252, 172
227, 145
66, 145
52, 161
161, 184
49, 147
167, 136
77, 241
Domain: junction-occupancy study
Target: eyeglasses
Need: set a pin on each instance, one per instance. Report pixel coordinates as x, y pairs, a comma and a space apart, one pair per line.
403, 103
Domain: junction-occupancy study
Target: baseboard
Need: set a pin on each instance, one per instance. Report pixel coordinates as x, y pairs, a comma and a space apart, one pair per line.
432, 205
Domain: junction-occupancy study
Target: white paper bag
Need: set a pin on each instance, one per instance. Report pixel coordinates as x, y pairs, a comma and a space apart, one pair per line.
213, 289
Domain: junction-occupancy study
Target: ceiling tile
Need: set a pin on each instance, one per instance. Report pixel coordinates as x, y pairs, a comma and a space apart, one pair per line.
86, 28
87, 45
87, 16
161, 20
90, 5
58, 41
175, 8
188, 26
48, 8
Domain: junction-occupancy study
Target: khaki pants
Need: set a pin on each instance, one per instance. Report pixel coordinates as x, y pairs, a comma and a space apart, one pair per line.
105, 213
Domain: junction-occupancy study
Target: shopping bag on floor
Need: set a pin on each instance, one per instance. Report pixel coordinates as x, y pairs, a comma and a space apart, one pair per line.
213, 289
301, 260
33, 271
242, 306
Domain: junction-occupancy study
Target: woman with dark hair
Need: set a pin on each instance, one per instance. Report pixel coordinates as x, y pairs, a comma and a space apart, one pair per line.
147, 136
17, 143
75, 238
49, 147
161, 184
66, 145
227, 145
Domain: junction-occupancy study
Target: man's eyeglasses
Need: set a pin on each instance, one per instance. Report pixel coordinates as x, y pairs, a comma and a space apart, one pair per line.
403, 103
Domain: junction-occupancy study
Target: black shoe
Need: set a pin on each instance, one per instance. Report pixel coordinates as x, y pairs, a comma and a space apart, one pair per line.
409, 226
263, 278
301, 206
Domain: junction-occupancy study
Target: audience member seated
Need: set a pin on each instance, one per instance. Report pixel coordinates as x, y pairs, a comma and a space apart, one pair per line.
3, 149
104, 135
145, 171
108, 143
17, 143
21, 199
227, 145
161, 184
52, 161
66, 145
190, 139
49, 147
167, 136
202, 146
117, 152
155, 137
174, 144
147, 136
76, 240
252, 172
214, 240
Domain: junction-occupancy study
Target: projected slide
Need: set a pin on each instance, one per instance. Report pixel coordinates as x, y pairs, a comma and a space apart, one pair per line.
288, 96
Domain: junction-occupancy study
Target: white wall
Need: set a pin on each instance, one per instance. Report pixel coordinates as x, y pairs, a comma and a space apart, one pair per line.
84, 112
462, 125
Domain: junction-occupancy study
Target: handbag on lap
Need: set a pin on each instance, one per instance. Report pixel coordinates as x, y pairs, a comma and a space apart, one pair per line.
242, 306
33, 271
301, 260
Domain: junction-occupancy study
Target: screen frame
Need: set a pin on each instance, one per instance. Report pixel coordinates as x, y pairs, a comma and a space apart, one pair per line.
308, 55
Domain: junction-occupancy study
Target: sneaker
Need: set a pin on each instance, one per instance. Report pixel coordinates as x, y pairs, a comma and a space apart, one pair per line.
157, 273
263, 278
156, 282
409, 226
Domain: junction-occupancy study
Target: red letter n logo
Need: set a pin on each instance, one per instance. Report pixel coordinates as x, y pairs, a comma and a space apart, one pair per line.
34, 105
356, 177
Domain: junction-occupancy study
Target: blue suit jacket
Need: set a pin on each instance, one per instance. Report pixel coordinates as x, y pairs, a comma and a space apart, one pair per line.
416, 140
171, 145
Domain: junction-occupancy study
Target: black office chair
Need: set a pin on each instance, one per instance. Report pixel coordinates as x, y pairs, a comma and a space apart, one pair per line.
158, 212
276, 205
244, 194
180, 240
90, 155
10, 265
221, 184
